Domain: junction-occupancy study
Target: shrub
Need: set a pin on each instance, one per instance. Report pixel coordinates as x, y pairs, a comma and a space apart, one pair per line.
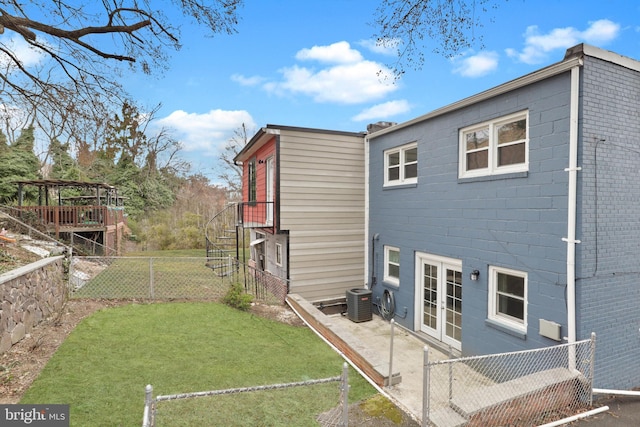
236, 297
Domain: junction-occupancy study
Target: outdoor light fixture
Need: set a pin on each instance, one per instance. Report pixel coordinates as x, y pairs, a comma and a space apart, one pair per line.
474, 275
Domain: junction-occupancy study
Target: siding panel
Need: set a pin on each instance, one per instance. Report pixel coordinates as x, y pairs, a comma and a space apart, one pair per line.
322, 208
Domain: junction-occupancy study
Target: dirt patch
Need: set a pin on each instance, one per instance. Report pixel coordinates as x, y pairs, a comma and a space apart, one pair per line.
13, 256
278, 313
23, 362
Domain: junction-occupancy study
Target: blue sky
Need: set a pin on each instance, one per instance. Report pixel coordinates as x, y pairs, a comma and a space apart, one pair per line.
313, 63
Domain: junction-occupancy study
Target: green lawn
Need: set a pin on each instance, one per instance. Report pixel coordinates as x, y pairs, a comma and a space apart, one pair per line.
153, 277
102, 368
169, 253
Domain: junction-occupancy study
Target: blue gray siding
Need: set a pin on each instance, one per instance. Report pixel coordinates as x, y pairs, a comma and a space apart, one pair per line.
514, 221
608, 273
518, 221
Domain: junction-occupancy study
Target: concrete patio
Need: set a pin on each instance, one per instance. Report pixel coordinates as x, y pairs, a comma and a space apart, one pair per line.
367, 346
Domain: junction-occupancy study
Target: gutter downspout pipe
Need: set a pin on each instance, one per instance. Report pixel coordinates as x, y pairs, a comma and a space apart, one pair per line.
367, 273
571, 212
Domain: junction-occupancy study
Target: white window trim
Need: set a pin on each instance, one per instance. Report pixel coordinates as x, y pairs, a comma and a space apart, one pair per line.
402, 180
508, 321
279, 254
492, 164
387, 278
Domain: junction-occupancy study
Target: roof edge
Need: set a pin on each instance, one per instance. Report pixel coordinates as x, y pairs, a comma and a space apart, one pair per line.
584, 49
271, 129
575, 60
314, 130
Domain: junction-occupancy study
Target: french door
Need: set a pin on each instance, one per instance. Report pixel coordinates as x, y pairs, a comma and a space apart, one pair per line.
439, 298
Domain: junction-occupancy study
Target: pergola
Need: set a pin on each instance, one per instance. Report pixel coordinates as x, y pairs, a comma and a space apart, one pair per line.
100, 191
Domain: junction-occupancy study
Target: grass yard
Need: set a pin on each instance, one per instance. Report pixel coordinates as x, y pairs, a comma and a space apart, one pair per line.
169, 253
102, 368
155, 278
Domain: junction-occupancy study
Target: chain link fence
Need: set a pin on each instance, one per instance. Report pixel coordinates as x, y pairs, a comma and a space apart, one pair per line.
523, 388
159, 278
158, 411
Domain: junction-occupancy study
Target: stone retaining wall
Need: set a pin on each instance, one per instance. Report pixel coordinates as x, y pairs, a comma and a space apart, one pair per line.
29, 295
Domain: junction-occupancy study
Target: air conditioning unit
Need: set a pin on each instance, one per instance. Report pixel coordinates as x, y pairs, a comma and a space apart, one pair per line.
359, 305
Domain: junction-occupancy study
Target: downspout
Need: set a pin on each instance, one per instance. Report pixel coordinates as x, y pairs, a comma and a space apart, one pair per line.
366, 216
572, 208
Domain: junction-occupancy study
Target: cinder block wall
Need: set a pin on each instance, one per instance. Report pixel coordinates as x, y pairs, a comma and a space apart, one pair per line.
513, 221
28, 296
608, 267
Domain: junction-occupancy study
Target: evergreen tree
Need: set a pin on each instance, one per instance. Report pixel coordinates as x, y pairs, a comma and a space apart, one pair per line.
19, 164
64, 166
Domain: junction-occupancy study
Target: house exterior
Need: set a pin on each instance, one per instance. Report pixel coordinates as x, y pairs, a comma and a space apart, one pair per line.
510, 220
303, 200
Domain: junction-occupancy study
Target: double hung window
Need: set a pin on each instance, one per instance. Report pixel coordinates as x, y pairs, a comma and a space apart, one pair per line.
508, 297
401, 165
495, 147
392, 265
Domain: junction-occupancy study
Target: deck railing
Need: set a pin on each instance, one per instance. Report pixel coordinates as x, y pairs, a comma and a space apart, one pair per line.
75, 216
256, 214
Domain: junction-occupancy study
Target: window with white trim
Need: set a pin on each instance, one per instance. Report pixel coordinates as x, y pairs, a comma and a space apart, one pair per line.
392, 265
279, 254
252, 180
508, 297
401, 165
495, 147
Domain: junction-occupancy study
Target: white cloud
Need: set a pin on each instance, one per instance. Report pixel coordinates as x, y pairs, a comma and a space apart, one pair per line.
389, 47
206, 132
348, 79
383, 111
538, 45
336, 53
247, 81
26, 54
601, 31
477, 65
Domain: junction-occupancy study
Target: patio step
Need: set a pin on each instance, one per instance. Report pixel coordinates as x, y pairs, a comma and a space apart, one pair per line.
447, 417
372, 364
492, 405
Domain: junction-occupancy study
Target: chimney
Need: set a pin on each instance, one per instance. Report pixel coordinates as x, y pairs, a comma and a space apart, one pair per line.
375, 127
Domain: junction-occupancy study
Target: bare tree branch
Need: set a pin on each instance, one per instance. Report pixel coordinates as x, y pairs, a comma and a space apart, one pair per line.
80, 47
442, 27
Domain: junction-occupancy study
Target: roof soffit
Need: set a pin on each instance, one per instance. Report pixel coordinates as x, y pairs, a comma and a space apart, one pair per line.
263, 136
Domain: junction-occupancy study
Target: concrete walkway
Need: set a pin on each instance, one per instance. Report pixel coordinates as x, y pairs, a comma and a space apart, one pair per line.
367, 344
399, 376
407, 361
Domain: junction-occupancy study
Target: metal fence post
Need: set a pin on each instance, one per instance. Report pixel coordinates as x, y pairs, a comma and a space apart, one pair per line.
151, 292
592, 365
391, 352
425, 388
450, 374
344, 386
148, 400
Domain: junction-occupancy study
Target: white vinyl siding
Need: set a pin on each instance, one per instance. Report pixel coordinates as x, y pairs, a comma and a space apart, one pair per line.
322, 208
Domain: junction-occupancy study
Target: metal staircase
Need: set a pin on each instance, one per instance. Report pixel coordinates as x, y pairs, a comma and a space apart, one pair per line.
225, 237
